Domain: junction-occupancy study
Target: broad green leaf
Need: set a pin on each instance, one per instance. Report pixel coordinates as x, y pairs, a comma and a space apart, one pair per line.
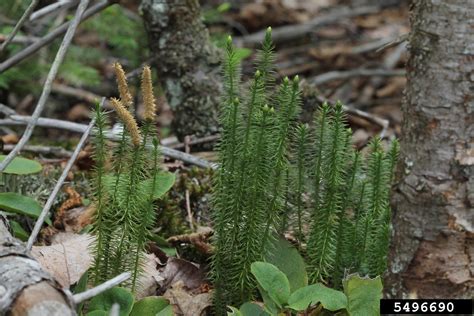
287, 258
167, 311
164, 182
18, 231
363, 295
234, 311
105, 300
272, 281
20, 204
310, 295
252, 309
269, 305
149, 306
22, 166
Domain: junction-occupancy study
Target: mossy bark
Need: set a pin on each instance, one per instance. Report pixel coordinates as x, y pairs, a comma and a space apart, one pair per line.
186, 62
433, 242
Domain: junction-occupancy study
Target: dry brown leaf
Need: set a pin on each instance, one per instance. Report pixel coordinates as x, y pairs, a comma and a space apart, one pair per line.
78, 112
187, 304
10, 139
67, 259
180, 270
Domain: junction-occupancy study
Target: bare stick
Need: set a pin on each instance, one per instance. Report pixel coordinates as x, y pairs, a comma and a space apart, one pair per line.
365, 115
291, 32
21, 120
58, 185
20, 23
19, 39
52, 8
45, 150
84, 296
80, 128
30, 50
339, 75
47, 85
115, 310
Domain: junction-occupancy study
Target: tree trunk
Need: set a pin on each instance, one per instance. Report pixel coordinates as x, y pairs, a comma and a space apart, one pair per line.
433, 245
186, 62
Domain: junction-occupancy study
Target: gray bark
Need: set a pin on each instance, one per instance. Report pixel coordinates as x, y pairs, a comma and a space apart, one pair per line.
25, 289
433, 243
186, 62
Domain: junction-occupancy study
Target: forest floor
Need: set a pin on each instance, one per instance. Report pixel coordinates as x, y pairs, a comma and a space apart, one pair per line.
358, 59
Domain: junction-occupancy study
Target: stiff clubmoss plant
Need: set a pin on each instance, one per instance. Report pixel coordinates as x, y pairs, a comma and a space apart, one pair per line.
249, 186
127, 183
274, 172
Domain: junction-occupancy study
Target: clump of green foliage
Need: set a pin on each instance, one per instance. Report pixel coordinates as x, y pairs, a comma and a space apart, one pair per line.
272, 170
126, 185
249, 184
80, 67
350, 201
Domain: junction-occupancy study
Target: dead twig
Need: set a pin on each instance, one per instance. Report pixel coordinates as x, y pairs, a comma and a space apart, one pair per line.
19, 39
59, 184
291, 32
47, 39
360, 72
383, 123
84, 296
44, 150
20, 23
48, 83
52, 8
80, 128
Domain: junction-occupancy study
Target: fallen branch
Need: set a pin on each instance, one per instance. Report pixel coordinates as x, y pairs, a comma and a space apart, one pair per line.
25, 287
84, 296
383, 123
44, 150
19, 39
291, 32
52, 8
47, 39
361, 72
80, 128
47, 85
59, 184
20, 23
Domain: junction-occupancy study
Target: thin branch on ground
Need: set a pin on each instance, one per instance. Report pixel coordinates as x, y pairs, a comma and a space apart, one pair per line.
84, 296
48, 83
59, 184
50, 37
291, 32
43, 150
53, 8
20, 39
197, 141
6, 109
360, 72
362, 114
80, 128
20, 23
